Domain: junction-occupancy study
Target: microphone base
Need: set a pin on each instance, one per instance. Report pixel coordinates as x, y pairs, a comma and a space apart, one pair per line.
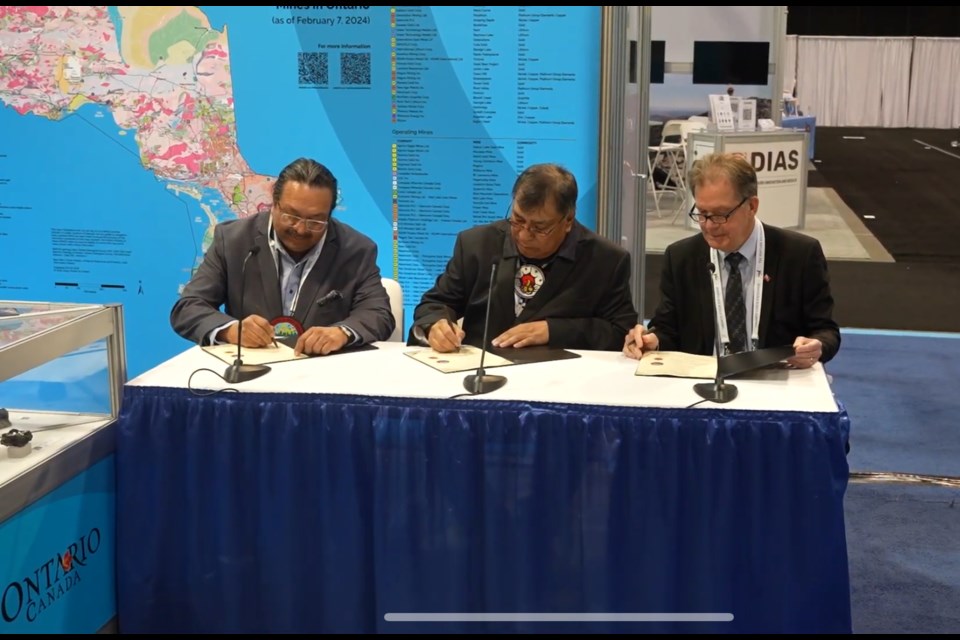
237, 373
483, 383
716, 392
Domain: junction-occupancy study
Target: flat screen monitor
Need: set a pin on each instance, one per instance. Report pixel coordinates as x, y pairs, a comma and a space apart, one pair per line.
736, 63
658, 54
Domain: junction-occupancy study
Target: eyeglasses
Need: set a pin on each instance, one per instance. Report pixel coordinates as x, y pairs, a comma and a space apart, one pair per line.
541, 232
309, 224
715, 218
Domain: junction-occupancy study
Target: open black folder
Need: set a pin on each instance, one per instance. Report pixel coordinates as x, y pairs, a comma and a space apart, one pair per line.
688, 365
529, 355
291, 341
737, 363
468, 357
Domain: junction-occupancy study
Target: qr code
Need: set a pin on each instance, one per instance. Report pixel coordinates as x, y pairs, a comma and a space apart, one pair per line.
312, 67
354, 68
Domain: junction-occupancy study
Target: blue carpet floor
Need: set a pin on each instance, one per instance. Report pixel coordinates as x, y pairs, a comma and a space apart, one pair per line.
902, 393
903, 542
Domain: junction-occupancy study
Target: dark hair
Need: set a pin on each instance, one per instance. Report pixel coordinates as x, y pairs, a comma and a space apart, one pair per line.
308, 172
732, 167
541, 183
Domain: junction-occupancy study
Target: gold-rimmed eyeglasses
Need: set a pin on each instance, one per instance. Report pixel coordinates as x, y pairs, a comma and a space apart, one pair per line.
308, 223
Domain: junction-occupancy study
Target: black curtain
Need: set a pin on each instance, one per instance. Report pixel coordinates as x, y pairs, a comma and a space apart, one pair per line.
941, 22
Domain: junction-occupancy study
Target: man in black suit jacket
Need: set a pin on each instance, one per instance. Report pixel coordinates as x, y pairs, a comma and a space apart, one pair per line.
796, 307
305, 270
557, 283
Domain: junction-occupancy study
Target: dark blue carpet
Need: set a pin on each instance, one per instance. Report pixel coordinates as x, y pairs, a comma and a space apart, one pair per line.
902, 392
903, 541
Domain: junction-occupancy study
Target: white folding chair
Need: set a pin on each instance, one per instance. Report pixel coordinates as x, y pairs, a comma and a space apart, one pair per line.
395, 292
665, 156
686, 128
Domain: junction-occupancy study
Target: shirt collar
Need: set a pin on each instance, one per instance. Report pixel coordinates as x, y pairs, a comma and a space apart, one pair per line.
749, 247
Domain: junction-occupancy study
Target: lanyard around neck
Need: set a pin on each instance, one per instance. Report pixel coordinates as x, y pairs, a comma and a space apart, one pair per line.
718, 302
275, 250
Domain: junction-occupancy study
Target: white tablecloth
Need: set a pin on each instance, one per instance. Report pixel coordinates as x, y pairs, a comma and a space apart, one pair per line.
598, 377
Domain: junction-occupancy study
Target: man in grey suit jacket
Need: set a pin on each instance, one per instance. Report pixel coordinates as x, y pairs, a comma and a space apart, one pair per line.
785, 269
303, 269
558, 284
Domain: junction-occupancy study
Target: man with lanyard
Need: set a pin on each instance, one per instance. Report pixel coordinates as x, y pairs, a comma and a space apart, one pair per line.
770, 286
301, 275
557, 283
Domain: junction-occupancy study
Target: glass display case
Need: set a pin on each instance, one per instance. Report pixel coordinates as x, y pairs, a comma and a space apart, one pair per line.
62, 371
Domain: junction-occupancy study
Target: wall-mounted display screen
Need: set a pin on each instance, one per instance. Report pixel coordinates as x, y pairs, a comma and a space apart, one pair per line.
737, 63
658, 54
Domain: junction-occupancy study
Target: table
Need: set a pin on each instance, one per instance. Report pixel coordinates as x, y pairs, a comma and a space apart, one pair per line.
333, 492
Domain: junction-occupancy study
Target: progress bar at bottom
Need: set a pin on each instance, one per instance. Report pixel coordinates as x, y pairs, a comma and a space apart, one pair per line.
558, 617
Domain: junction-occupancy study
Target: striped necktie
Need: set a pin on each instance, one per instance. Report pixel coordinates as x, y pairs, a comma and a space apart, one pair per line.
734, 305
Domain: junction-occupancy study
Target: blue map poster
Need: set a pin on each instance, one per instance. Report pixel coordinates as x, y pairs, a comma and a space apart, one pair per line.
127, 133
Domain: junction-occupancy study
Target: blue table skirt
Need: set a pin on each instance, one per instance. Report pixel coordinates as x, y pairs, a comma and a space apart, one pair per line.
316, 513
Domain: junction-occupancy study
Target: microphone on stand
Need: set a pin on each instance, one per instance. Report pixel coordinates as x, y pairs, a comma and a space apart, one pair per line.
718, 390
481, 382
239, 372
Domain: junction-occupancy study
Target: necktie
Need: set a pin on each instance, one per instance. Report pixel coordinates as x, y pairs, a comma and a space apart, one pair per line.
734, 305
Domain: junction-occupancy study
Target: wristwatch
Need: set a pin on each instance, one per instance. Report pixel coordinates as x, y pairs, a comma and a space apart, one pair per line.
347, 332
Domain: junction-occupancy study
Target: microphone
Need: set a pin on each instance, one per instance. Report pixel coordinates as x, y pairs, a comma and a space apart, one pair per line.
718, 390
333, 295
480, 382
239, 372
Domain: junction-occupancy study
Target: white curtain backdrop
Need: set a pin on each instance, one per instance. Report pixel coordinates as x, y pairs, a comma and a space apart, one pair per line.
935, 87
895, 82
856, 82
879, 82
822, 80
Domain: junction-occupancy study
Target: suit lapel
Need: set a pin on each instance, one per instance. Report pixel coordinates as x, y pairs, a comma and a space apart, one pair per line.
771, 265
267, 266
703, 280
318, 280
501, 307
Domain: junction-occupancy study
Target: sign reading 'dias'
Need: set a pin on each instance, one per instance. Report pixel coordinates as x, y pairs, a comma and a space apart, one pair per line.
779, 160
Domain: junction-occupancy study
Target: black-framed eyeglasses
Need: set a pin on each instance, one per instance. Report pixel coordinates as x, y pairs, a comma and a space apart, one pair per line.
308, 223
541, 232
715, 218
